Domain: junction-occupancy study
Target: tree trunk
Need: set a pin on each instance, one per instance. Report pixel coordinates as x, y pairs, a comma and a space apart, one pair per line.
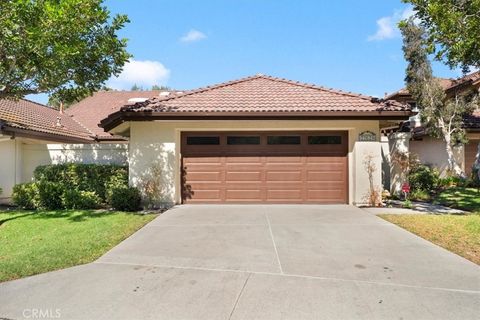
453, 165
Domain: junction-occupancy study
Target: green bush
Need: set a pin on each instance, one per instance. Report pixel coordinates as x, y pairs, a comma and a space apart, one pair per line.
419, 195
25, 195
50, 195
125, 198
74, 199
83, 177
423, 178
116, 181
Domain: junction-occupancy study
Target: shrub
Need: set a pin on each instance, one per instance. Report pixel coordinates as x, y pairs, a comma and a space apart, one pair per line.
116, 181
423, 178
74, 199
419, 195
83, 177
50, 195
25, 195
125, 198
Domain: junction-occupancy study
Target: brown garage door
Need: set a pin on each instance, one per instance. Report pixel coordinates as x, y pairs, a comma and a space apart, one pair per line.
270, 167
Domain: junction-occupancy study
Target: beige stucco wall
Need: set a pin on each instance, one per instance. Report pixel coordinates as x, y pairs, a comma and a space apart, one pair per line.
10, 171
158, 142
20, 157
431, 151
35, 154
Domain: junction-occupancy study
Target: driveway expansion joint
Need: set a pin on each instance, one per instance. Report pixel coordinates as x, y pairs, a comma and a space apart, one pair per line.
273, 241
239, 296
355, 281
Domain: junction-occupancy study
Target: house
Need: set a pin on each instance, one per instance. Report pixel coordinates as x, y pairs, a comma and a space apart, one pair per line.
431, 150
259, 139
32, 134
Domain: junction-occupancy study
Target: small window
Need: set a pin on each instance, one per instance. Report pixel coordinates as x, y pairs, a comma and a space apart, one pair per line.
283, 139
238, 140
324, 140
196, 141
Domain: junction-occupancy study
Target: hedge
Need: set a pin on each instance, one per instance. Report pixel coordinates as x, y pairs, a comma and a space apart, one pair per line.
83, 177
73, 186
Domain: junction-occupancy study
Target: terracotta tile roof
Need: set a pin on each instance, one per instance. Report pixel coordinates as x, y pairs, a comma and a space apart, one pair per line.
263, 94
444, 82
472, 121
447, 84
28, 115
92, 109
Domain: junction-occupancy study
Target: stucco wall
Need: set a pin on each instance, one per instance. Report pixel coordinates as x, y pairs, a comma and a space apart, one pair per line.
10, 171
19, 158
158, 143
432, 151
42, 154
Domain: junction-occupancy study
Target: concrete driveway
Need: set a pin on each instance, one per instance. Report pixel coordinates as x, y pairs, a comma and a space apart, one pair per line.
258, 262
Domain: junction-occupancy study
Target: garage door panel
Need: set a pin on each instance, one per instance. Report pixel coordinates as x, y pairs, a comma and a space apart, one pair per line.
212, 176
325, 176
243, 159
287, 194
284, 176
244, 195
266, 173
283, 160
243, 176
210, 161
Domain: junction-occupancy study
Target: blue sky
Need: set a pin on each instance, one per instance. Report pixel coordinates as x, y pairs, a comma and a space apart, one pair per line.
346, 44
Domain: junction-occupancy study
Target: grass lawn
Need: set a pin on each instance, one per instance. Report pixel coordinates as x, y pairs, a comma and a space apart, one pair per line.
36, 242
457, 233
460, 198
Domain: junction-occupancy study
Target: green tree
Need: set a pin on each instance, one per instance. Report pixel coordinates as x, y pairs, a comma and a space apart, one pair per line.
136, 87
442, 115
453, 28
157, 87
66, 48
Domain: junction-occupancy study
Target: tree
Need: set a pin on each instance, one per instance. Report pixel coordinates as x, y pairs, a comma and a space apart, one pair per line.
453, 28
441, 114
135, 87
67, 48
157, 87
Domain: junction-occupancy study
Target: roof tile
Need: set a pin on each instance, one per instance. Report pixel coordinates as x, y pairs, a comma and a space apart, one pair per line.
29, 115
262, 93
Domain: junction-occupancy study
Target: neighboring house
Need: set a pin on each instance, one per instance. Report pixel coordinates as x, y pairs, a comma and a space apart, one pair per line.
431, 150
257, 140
32, 134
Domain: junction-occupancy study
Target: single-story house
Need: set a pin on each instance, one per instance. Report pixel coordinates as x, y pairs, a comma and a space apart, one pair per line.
432, 150
258, 140
32, 134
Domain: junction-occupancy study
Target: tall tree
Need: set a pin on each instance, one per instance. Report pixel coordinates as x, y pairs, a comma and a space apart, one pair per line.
442, 115
157, 87
66, 48
453, 28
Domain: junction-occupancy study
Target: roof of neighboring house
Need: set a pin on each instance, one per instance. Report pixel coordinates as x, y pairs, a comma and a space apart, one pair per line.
92, 109
27, 118
447, 84
444, 82
472, 121
259, 95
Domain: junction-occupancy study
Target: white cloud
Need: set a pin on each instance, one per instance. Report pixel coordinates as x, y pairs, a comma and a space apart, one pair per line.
142, 73
387, 26
193, 36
